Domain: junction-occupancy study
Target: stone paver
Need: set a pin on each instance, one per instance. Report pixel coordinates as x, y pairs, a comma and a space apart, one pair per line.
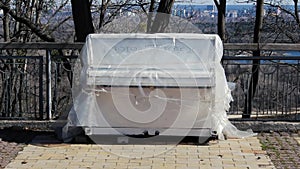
228, 154
282, 148
297, 139
8, 151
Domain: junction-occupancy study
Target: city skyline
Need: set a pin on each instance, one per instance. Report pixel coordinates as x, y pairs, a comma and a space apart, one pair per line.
234, 2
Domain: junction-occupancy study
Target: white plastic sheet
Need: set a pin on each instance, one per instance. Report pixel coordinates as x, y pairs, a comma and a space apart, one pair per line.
169, 81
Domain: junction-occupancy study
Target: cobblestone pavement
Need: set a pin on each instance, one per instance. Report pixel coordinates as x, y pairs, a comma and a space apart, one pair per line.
8, 151
12, 141
228, 154
283, 148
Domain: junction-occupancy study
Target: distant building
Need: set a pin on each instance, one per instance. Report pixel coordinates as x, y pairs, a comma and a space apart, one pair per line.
232, 14
210, 7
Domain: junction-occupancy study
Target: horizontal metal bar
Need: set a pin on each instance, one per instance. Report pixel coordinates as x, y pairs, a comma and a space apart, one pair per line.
227, 46
224, 57
68, 57
20, 57
37, 57
40, 45
148, 86
261, 58
262, 46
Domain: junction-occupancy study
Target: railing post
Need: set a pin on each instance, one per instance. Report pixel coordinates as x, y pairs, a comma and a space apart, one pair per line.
41, 96
48, 85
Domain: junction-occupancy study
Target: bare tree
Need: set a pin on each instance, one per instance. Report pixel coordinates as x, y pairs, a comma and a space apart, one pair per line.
103, 9
108, 10
221, 5
162, 20
25, 19
82, 19
255, 63
294, 13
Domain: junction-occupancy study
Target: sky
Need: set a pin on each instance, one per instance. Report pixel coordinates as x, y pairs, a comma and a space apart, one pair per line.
207, 2
236, 2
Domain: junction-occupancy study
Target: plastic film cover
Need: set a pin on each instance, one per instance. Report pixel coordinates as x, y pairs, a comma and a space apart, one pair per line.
168, 81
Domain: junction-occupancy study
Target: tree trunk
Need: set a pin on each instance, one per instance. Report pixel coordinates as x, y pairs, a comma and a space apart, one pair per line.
221, 5
102, 12
6, 23
296, 11
82, 19
165, 6
150, 15
255, 63
39, 8
161, 21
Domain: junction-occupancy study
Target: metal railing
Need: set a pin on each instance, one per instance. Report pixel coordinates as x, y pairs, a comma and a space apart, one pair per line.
21, 86
43, 89
277, 93
277, 96
39, 74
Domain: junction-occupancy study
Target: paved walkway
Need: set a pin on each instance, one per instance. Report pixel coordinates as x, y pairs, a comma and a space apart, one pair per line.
283, 149
235, 153
297, 139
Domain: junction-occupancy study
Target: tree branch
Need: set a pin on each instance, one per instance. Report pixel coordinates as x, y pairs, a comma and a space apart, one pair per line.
60, 23
294, 15
28, 23
217, 3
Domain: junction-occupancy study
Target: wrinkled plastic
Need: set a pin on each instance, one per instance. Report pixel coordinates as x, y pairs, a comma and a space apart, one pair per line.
169, 81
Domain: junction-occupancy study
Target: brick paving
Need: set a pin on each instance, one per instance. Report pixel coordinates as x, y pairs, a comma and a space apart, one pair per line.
12, 141
297, 138
283, 148
228, 154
